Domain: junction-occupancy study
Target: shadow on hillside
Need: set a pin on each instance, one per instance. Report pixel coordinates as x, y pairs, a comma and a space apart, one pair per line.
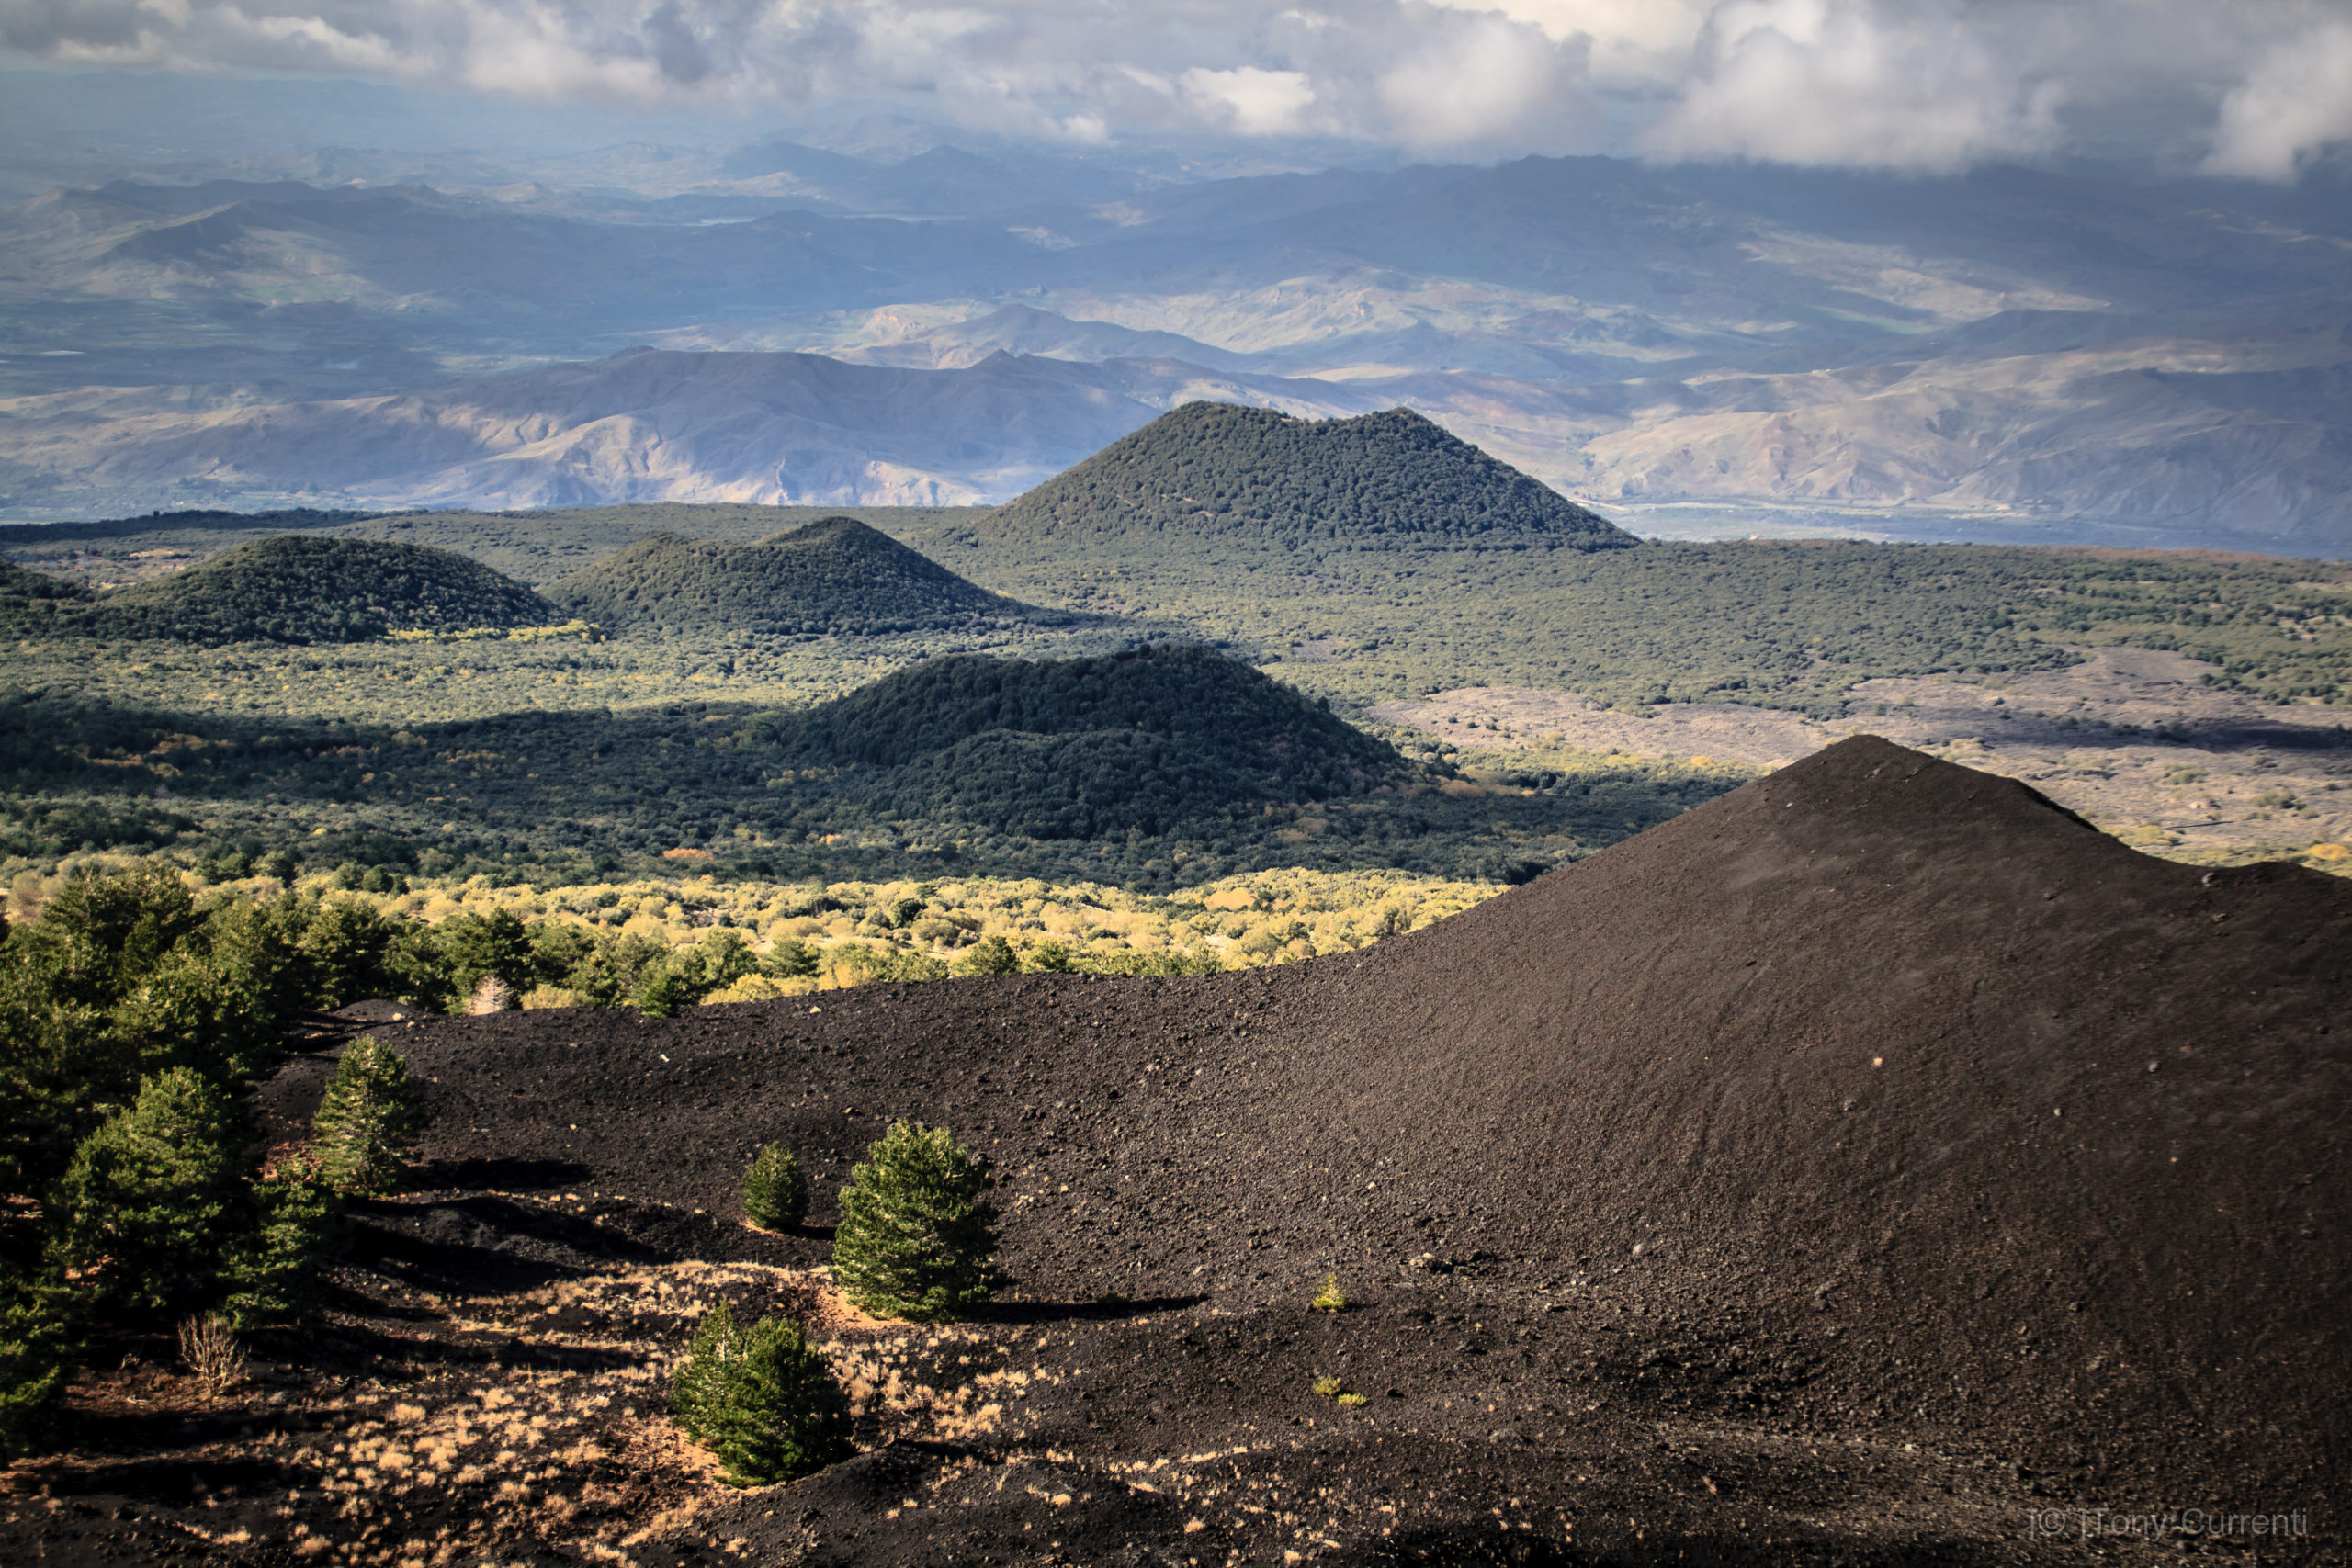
1086, 1312
498, 1175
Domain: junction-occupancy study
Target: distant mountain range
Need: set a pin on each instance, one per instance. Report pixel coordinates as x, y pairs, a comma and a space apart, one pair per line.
643, 425
2033, 356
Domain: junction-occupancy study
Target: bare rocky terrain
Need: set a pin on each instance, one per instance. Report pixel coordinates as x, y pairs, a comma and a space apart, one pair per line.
2135, 740
1871, 1165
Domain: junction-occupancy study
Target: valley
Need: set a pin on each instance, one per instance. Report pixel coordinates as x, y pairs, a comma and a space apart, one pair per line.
1494, 1040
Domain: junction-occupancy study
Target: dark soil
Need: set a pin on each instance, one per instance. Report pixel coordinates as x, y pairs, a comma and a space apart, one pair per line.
1874, 1165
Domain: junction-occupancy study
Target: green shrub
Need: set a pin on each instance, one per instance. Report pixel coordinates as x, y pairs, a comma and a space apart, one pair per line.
680, 977
991, 955
916, 1237
608, 974
346, 949
789, 959
1050, 958
1330, 1298
775, 1190
142, 1212
761, 1399
365, 1127
33, 1351
296, 1224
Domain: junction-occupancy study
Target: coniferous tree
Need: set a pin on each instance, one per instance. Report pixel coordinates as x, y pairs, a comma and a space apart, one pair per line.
142, 1211
296, 1224
775, 1189
761, 1399
33, 1351
365, 1130
917, 1238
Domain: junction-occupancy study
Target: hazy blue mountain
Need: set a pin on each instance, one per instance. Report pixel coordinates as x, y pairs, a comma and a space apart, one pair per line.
2009, 353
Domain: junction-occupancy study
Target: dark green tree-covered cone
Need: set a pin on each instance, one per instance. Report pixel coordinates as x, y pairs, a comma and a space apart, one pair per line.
775, 1189
917, 1238
366, 1128
273, 1274
141, 1212
761, 1399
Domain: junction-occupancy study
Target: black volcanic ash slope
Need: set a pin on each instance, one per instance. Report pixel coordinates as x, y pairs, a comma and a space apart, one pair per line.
1878, 1097
1216, 470
299, 589
1152, 740
835, 575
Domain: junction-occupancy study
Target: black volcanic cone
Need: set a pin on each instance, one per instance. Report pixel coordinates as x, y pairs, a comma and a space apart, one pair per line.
836, 575
1386, 480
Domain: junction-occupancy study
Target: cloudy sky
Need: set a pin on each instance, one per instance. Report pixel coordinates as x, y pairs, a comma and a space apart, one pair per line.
2254, 88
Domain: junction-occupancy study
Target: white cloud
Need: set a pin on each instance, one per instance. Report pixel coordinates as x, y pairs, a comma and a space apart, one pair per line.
1858, 83
1485, 82
1260, 102
2296, 101
1922, 85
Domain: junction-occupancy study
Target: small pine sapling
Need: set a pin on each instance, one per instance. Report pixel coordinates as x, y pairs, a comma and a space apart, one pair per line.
917, 1239
1330, 1298
366, 1128
775, 1190
761, 1399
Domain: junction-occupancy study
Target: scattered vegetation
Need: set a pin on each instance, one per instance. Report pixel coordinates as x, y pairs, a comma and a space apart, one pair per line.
209, 1347
365, 1132
917, 1238
775, 1189
1330, 1298
761, 1398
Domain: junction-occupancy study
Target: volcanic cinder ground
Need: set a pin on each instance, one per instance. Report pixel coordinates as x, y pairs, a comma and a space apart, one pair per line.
1874, 1165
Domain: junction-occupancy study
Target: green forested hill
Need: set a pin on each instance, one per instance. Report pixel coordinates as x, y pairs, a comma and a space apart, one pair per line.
1382, 480
1160, 767
20, 587
836, 575
1058, 749
295, 588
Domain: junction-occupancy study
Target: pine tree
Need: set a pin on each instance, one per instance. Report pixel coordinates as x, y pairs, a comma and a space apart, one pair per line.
775, 1190
761, 1399
916, 1238
701, 1382
367, 1123
144, 1210
33, 1350
296, 1224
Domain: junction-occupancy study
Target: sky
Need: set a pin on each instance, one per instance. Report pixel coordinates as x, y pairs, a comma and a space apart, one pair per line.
2248, 88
